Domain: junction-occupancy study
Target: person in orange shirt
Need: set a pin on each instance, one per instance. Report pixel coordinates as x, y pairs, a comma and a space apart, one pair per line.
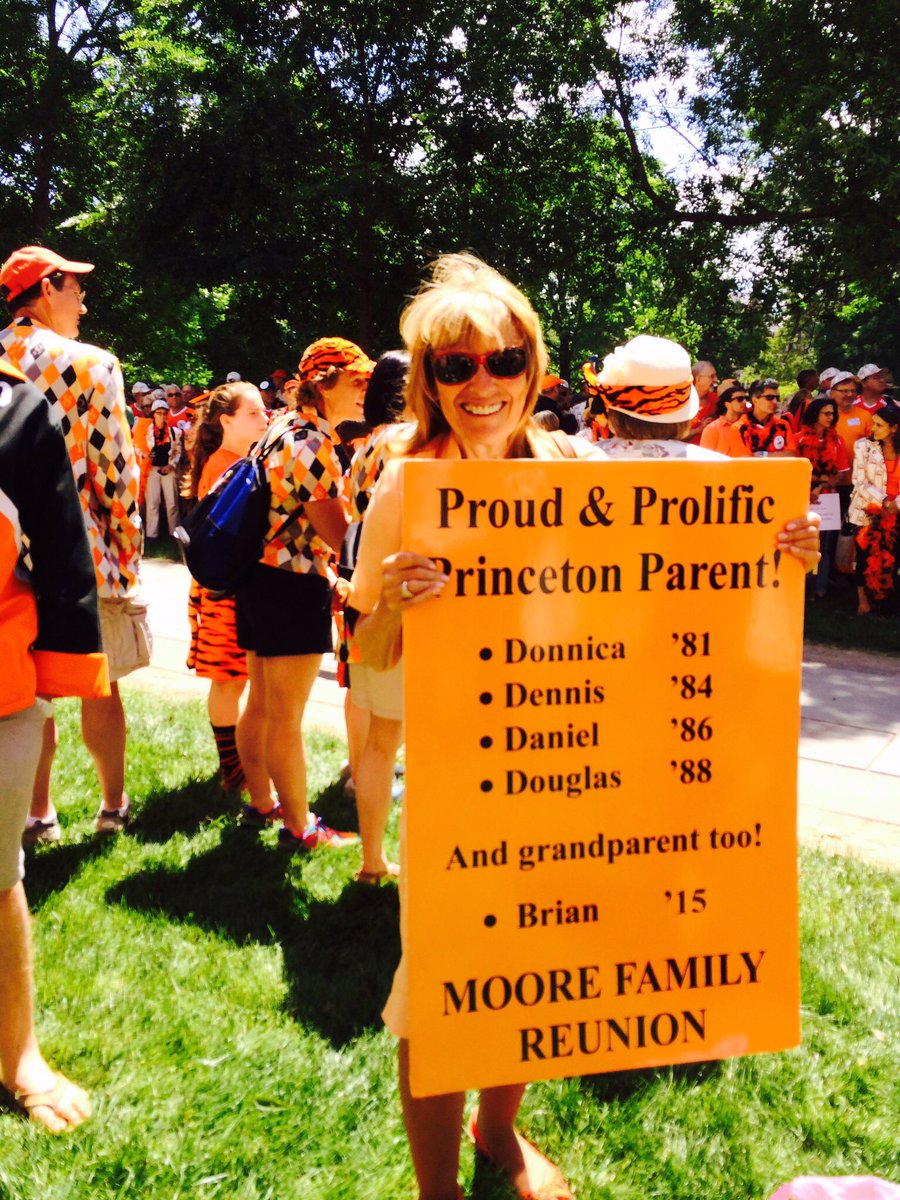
724, 433
143, 421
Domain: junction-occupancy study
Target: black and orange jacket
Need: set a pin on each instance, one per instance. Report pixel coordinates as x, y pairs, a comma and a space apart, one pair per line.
49, 628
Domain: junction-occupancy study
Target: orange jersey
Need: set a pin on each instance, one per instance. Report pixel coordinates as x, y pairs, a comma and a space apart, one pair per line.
852, 425
725, 437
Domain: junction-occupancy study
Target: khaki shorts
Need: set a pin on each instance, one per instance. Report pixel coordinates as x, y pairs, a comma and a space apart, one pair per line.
20, 750
126, 637
381, 692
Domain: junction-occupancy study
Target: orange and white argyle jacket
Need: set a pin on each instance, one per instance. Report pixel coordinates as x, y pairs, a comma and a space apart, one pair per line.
83, 384
302, 467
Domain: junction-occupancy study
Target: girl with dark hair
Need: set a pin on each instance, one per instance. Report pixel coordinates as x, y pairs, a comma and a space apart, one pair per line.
229, 422
874, 507
817, 441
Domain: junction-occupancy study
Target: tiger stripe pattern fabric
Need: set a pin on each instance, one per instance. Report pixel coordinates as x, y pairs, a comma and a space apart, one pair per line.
214, 653
83, 385
646, 401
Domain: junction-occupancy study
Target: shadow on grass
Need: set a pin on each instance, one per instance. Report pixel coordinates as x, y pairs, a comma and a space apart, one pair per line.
339, 955
182, 810
51, 868
622, 1085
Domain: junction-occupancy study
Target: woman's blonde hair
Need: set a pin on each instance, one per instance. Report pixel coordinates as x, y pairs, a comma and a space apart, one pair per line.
464, 297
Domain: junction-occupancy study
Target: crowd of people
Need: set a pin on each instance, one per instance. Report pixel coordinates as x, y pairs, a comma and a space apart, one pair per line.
472, 382
843, 422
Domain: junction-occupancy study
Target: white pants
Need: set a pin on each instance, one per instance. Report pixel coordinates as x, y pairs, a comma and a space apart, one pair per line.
161, 489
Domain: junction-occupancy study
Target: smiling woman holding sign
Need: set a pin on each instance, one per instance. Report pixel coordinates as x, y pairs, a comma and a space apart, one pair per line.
477, 356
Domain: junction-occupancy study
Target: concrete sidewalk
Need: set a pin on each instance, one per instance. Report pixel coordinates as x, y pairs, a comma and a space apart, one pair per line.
849, 775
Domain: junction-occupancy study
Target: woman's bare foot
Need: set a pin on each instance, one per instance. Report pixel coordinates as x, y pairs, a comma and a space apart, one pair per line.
531, 1173
61, 1106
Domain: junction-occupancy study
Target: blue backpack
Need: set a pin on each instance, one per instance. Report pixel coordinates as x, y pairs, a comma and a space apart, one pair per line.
223, 537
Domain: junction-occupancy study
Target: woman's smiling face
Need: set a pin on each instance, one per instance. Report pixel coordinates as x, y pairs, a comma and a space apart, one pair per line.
485, 412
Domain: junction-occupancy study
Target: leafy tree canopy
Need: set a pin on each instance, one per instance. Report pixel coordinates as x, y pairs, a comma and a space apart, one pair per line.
250, 176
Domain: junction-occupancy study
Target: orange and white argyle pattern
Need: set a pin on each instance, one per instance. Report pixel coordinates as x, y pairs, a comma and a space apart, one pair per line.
83, 385
302, 468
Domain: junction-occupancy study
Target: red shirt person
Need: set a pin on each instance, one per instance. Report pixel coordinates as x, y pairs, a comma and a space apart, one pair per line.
872, 382
706, 382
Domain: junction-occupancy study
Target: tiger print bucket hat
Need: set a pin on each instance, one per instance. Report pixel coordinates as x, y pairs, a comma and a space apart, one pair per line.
327, 354
649, 377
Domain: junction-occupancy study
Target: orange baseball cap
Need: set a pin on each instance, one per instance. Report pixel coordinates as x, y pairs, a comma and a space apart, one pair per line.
550, 381
278, 374
30, 264
333, 352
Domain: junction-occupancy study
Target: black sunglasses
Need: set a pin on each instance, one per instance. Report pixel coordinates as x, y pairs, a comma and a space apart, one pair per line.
452, 367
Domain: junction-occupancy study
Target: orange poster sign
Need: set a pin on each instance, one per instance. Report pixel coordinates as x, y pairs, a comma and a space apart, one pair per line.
602, 723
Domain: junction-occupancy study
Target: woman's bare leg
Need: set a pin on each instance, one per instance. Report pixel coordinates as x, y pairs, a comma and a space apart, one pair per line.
356, 720
374, 781
289, 680
250, 735
224, 701
434, 1129
527, 1168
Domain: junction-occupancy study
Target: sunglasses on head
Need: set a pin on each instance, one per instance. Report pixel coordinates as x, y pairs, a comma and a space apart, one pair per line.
454, 366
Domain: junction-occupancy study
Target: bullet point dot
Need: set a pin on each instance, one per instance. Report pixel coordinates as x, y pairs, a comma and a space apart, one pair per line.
490, 920
485, 697
486, 743
486, 785
487, 653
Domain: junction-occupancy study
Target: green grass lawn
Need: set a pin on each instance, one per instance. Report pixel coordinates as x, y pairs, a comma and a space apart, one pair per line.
221, 1002
833, 621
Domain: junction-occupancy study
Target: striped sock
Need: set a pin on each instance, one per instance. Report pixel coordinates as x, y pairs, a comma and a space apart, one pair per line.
229, 760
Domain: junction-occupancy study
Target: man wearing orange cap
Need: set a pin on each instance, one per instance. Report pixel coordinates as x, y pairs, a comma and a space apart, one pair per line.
556, 397
83, 385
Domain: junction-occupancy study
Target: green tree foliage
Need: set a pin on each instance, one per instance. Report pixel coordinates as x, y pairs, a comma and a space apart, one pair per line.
802, 99
250, 176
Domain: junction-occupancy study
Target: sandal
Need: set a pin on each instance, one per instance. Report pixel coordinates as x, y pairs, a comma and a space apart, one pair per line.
113, 820
375, 878
61, 1096
555, 1188
42, 833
